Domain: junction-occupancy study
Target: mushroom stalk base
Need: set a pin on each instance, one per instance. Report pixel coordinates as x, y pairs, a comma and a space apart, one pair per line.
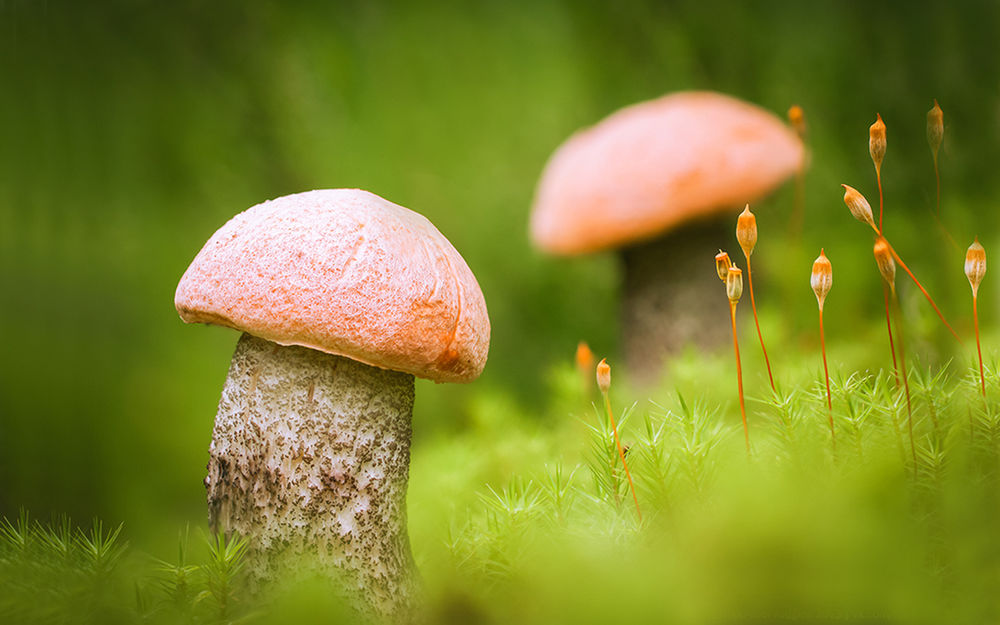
672, 296
310, 460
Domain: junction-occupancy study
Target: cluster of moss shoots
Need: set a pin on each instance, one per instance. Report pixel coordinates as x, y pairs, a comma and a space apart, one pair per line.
821, 281
886, 259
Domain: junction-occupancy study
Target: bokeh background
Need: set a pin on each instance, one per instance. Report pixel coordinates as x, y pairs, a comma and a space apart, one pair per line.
131, 130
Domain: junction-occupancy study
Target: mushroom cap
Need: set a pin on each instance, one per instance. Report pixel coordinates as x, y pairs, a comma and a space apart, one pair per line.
656, 164
345, 272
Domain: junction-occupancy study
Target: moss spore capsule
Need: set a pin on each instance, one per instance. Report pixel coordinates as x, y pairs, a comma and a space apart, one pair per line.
797, 118
859, 206
975, 265
935, 128
746, 231
722, 265
604, 375
876, 141
975, 269
886, 265
734, 284
822, 277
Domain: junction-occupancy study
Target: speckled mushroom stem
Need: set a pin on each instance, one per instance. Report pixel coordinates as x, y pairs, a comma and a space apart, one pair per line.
309, 460
671, 297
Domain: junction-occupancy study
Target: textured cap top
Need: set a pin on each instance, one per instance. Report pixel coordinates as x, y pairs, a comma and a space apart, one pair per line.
653, 165
345, 272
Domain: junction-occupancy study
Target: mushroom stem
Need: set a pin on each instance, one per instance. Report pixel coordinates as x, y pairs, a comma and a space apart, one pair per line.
670, 297
309, 460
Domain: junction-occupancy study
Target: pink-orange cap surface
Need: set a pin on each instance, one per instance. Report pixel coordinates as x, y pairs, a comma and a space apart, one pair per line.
656, 164
345, 272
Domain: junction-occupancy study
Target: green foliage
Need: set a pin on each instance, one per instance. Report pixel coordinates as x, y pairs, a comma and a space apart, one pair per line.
221, 572
798, 529
58, 573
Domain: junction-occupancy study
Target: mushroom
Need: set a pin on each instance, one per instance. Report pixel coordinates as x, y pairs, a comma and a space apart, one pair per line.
342, 298
652, 181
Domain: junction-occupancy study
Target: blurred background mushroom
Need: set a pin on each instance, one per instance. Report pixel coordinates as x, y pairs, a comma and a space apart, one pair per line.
343, 298
659, 181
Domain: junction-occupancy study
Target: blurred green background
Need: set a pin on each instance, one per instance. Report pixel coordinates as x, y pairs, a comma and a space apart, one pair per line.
131, 130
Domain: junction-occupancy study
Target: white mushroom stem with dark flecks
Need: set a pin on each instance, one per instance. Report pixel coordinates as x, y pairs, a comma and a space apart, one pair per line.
310, 455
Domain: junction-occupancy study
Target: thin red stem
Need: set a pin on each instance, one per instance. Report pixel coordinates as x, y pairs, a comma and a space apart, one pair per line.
878, 177
924, 291
888, 325
906, 383
753, 305
621, 454
739, 374
979, 349
826, 374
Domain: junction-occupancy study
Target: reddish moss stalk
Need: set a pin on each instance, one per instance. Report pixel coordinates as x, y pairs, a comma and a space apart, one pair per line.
862, 211
604, 382
734, 289
826, 376
887, 268
760, 335
906, 383
979, 349
975, 269
821, 281
926, 294
746, 234
739, 376
888, 326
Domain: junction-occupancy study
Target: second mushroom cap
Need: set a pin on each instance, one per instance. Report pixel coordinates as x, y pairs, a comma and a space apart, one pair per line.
656, 164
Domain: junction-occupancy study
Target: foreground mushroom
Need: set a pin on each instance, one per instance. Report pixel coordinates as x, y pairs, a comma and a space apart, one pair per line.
652, 180
343, 297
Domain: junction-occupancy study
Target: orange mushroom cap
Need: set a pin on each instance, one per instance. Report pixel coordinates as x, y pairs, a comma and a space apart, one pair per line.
345, 272
656, 164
